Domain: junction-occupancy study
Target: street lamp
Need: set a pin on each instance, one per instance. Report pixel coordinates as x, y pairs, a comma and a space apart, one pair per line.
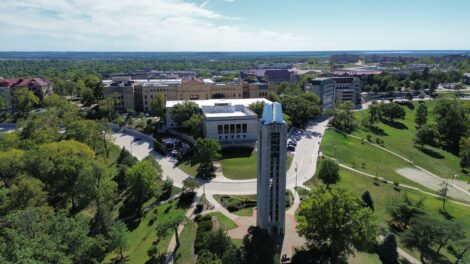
132, 141
296, 175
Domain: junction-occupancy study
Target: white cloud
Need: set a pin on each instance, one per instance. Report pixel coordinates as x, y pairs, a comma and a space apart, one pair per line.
131, 25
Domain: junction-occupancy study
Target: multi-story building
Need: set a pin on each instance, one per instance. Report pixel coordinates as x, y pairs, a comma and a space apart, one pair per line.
269, 75
138, 94
466, 78
8, 87
348, 89
324, 88
344, 58
271, 170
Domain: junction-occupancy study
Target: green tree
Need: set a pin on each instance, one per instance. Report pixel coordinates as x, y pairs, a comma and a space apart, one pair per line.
329, 172
334, 222
343, 119
452, 121
207, 257
11, 165
26, 192
403, 209
426, 135
207, 151
423, 235
95, 134
141, 178
25, 100
258, 247
388, 250
465, 153
158, 105
107, 107
87, 96
300, 109
119, 238
421, 114
184, 111
392, 111
194, 124
257, 107
375, 114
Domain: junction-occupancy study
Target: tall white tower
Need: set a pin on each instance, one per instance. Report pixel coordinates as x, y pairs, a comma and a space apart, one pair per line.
271, 174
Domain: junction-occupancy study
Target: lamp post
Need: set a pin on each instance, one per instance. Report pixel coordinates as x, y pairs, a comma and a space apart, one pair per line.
296, 175
132, 141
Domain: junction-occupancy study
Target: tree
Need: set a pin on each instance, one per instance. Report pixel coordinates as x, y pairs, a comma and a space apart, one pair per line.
375, 114
423, 235
443, 194
258, 247
367, 199
206, 151
95, 134
158, 105
217, 242
184, 111
194, 124
392, 111
421, 114
465, 153
107, 107
452, 122
26, 192
329, 172
388, 250
87, 96
403, 209
11, 165
299, 109
207, 257
426, 135
334, 222
25, 100
343, 119
119, 238
141, 178
257, 107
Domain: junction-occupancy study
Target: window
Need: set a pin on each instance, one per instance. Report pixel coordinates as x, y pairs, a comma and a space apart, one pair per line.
145, 97
243, 128
232, 128
239, 128
226, 129
220, 129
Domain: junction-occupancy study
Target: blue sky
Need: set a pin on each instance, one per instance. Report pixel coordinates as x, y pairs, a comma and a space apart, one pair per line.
233, 25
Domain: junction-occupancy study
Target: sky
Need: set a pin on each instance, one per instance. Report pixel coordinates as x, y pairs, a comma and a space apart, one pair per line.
233, 25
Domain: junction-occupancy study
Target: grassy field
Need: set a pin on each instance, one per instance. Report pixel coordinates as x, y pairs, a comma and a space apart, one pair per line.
185, 253
384, 193
398, 138
364, 258
237, 164
244, 212
364, 157
141, 239
225, 222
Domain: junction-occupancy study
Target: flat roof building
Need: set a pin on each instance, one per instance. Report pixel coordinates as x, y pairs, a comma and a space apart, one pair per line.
324, 88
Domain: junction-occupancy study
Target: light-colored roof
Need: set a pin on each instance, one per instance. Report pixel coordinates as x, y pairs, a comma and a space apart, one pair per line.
245, 102
466, 74
231, 114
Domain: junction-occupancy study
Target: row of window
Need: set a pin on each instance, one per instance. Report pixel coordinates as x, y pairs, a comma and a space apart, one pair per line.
232, 128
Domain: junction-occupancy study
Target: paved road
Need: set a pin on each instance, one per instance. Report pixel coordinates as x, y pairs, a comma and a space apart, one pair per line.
305, 160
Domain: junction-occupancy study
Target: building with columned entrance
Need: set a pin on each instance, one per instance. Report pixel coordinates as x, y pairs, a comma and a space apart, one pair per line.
271, 170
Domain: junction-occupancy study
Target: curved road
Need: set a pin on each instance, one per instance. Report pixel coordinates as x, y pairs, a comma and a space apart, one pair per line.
305, 159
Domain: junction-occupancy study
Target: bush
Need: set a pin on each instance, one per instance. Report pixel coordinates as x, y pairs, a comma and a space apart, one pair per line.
396, 185
369, 137
159, 147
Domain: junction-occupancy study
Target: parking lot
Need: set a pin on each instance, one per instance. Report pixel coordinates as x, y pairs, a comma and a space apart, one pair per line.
296, 135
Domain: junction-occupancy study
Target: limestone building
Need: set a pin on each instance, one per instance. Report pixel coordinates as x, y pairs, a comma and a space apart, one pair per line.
271, 170
325, 89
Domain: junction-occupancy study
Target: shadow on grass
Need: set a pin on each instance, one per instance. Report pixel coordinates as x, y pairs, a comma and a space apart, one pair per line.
378, 131
446, 214
395, 124
236, 152
431, 153
130, 213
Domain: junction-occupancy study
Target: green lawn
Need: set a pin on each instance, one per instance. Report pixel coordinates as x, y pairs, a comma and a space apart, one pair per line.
384, 193
399, 139
225, 222
364, 157
237, 164
142, 237
185, 253
244, 212
364, 258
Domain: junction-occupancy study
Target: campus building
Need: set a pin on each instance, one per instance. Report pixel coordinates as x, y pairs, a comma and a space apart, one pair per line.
348, 89
325, 89
229, 121
466, 78
138, 94
271, 170
38, 86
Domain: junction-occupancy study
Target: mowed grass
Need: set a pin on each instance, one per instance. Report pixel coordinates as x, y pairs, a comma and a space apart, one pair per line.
399, 139
237, 164
185, 253
241, 165
385, 193
225, 222
364, 157
364, 258
244, 212
141, 239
